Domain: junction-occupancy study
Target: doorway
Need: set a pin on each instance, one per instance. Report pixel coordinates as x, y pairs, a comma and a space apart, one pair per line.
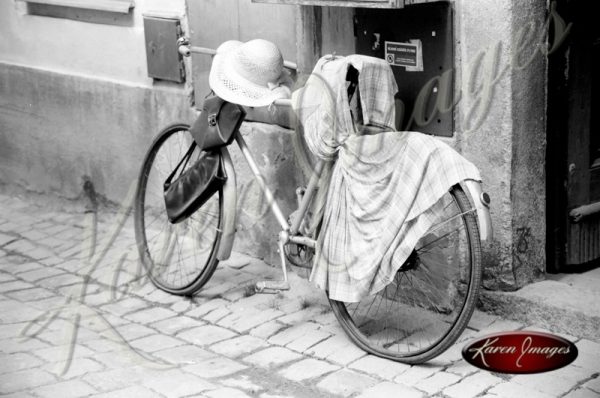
573, 152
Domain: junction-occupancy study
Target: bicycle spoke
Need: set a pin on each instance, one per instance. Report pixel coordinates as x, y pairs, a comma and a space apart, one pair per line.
452, 218
425, 297
438, 239
180, 257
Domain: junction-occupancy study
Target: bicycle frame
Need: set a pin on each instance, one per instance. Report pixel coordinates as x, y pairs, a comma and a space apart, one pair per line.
439, 292
472, 187
289, 233
480, 201
291, 229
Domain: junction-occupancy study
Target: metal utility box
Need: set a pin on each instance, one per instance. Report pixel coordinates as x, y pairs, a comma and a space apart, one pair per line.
418, 43
164, 61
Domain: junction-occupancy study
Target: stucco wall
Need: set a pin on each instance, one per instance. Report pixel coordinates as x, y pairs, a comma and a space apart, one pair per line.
499, 123
484, 119
98, 50
211, 22
273, 150
75, 99
501, 127
76, 103
528, 192
56, 129
78, 91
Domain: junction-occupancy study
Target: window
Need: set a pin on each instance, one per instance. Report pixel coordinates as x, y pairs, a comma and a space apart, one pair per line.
341, 3
116, 6
105, 12
349, 3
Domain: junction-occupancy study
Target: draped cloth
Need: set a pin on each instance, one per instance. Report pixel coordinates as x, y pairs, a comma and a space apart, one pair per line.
384, 190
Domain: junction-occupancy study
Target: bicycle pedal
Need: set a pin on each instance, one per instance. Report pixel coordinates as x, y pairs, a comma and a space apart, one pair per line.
271, 287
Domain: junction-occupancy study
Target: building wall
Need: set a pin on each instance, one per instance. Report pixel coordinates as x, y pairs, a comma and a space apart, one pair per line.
500, 122
214, 21
499, 119
211, 22
485, 131
76, 103
528, 171
58, 130
98, 50
501, 128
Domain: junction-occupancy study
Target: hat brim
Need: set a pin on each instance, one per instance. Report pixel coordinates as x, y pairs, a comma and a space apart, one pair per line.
229, 85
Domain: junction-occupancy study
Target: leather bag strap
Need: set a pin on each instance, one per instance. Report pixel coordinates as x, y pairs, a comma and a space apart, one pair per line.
183, 162
213, 120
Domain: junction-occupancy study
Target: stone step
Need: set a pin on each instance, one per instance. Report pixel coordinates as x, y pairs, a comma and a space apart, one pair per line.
559, 306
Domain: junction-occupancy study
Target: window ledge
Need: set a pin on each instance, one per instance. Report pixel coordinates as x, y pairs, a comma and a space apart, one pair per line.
340, 3
117, 6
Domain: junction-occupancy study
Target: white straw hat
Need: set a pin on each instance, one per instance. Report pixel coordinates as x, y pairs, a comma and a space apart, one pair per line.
249, 74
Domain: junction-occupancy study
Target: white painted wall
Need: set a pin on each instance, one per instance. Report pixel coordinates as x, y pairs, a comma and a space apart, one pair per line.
80, 48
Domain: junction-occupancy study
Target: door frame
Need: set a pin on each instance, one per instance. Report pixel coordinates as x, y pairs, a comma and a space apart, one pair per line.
562, 111
556, 153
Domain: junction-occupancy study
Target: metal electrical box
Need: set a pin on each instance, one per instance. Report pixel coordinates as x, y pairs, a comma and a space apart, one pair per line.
164, 61
417, 41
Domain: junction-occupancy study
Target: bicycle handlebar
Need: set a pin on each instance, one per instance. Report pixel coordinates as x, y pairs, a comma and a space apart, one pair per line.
186, 50
283, 102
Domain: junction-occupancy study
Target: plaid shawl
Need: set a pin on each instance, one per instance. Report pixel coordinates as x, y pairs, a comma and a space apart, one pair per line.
384, 189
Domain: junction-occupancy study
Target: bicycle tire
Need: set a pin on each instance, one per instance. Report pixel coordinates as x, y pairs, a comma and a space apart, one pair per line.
411, 338
183, 258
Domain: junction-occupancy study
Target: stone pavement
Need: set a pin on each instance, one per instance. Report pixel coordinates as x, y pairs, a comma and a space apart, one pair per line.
77, 320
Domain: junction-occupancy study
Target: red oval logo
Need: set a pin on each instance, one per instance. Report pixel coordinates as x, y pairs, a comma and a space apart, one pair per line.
520, 352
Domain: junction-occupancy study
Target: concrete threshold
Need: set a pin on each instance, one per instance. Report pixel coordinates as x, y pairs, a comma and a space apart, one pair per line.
565, 303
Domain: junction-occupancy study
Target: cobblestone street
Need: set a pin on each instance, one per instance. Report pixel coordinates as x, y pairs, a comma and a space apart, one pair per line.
78, 319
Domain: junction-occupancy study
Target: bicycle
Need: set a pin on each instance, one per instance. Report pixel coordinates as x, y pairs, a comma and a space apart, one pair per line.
415, 318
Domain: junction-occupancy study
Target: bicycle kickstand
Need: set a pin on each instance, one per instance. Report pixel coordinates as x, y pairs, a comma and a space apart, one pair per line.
273, 287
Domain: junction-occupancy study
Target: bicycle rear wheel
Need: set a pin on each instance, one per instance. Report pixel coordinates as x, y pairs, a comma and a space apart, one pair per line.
432, 297
178, 258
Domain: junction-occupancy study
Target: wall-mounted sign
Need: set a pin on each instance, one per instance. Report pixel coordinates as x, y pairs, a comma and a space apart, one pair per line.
418, 43
409, 55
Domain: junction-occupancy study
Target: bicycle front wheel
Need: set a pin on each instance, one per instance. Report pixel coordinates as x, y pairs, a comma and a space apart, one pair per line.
178, 258
432, 297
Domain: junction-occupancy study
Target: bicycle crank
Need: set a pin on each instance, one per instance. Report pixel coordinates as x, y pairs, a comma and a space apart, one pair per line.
299, 255
271, 287
277, 286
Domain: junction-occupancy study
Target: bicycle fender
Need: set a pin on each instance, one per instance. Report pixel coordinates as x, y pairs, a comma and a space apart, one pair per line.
481, 201
229, 209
